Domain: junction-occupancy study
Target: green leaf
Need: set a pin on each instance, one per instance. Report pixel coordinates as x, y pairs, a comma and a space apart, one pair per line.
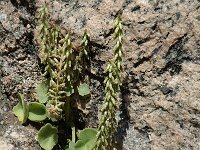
87, 139
69, 90
71, 146
87, 133
47, 137
42, 91
37, 112
84, 89
21, 109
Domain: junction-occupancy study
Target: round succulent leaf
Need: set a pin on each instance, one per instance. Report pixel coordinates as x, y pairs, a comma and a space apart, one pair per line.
87, 139
37, 112
69, 90
21, 109
42, 91
47, 136
83, 89
87, 133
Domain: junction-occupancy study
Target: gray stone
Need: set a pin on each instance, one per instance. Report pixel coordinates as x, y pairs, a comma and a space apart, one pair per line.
161, 42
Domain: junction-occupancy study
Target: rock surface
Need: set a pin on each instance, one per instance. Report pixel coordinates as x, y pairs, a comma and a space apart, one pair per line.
160, 100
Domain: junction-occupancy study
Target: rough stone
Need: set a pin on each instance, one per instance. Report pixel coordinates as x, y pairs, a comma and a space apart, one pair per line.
160, 99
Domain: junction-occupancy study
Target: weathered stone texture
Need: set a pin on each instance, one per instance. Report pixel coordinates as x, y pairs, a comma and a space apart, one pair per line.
160, 105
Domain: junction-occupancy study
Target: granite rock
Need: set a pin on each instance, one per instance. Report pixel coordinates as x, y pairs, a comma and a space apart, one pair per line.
160, 99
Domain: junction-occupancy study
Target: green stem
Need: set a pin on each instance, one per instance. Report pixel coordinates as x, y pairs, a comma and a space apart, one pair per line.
73, 134
67, 111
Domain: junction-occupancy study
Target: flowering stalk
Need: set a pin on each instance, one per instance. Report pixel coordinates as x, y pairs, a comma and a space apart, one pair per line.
56, 55
83, 58
85, 47
118, 50
108, 123
43, 37
60, 80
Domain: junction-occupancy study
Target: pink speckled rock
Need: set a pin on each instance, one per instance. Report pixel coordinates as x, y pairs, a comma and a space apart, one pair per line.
160, 100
